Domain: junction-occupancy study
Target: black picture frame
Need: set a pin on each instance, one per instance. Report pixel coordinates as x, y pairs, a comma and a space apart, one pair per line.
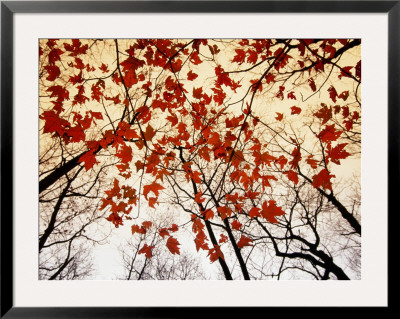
8, 8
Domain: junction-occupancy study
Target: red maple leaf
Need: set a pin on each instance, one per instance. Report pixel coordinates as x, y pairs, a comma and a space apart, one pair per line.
344, 95
280, 92
130, 78
197, 224
195, 59
292, 175
53, 72
264, 158
224, 79
279, 116
54, 56
224, 211
291, 95
296, 157
345, 72
116, 79
234, 122
200, 241
240, 56
251, 195
348, 124
270, 78
197, 93
215, 253
208, 214
80, 98
332, 93
345, 111
312, 162
198, 198
319, 66
191, 76
254, 212
75, 79
329, 134
104, 68
124, 129
59, 92
236, 224
214, 139
147, 250
256, 84
163, 232
131, 63
125, 153
244, 241
53, 123
281, 161
79, 64
252, 58
96, 92
147, 224
154, 187
323, 179
337, 153
115, 191
265, 180
173, 119
236, 158
89, 159
324, 113
330, 50
222, 239
312, 84
75, 134
174, 228
172, 245
295, 110
76, 48
270, 210
149, 134
96, 115
116, 219
138, 229
219, 95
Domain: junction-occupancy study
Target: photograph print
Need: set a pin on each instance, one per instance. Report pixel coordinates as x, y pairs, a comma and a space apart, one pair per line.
199, 159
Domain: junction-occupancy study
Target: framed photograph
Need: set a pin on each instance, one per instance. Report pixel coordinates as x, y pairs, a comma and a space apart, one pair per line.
172, 156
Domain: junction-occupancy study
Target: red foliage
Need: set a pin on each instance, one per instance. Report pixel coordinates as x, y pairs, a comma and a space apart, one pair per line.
244, 241
323, 179
162, 123
147, 250
172, 245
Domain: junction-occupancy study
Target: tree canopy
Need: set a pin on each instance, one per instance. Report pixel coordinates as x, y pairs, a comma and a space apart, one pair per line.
249, 148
